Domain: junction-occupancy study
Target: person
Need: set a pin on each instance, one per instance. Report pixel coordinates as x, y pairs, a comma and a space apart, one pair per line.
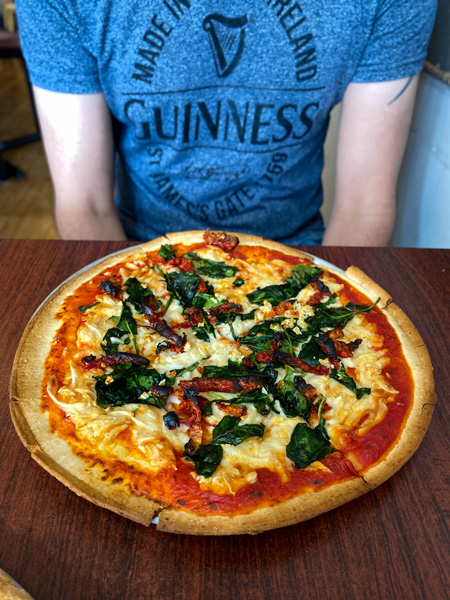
172, 115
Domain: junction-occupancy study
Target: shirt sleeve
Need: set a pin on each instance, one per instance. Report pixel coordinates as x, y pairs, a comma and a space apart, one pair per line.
55, 42
398, 42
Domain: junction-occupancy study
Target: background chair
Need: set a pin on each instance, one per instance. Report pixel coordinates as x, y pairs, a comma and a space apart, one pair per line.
10, 48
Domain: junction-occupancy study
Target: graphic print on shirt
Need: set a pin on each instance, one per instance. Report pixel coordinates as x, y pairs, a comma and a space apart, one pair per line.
226, 138
227, 37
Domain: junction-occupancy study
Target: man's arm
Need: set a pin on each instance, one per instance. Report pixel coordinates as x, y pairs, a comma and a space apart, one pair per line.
77, 134
373, 130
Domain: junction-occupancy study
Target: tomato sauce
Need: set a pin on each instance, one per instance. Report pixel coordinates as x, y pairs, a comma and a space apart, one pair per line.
174, 485
370, 448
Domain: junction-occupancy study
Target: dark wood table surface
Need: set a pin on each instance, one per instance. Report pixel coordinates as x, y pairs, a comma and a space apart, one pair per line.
391, 543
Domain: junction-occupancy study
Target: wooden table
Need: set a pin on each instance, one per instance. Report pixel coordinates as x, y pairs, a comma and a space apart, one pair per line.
391, 543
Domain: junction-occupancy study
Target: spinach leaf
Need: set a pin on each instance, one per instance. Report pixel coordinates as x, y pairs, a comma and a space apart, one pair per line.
231, 371
261, 333
206, 301
206, 459
204, 331
137, 292
128, 324
126, 320
201, 333
183, 286
322, 427
293, 403
228, 431
259, 336
306, 446
343, 377
302, 275
207, 409
238, 282
113, 338
83, 309
311, 352
328, 317
275, 294
262, 402
129, 383
230, 317
211, 268
180, 372
167, 252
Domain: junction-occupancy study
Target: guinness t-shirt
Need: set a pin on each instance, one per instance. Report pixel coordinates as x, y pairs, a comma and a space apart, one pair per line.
221, 108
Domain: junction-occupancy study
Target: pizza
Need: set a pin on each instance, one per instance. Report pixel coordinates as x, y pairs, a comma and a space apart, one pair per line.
217, 384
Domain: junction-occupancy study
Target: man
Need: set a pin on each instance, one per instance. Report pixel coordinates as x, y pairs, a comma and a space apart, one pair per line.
220, 110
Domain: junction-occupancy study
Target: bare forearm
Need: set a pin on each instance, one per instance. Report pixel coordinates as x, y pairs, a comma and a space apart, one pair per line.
360, 229
78, 225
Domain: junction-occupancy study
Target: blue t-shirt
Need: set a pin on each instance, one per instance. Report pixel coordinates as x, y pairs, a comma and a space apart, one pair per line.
220, 108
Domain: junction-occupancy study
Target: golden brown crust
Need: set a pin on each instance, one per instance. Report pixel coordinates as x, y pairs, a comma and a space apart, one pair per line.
419, 361
294, 511
196, 236
421, 412
55, 455
364, 283
10, 590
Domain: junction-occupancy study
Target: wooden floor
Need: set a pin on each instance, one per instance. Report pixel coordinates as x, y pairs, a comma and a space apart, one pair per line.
26, 207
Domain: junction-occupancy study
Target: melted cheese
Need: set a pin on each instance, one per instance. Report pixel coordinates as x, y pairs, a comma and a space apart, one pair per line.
153, 445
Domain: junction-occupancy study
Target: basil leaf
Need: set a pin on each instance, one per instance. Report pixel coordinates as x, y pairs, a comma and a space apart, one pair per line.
167, 252
238, 282
211, 268
183, 286
83, 309
306, 446
137, 293
344, 378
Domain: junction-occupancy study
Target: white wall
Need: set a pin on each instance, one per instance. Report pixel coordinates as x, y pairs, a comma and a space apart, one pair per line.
424, 185
423, 196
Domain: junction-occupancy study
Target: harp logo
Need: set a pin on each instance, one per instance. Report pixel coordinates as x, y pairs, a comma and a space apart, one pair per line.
226, 37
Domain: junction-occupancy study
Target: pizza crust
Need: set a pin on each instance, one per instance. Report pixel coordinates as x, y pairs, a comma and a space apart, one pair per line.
10, 590
291, 512
196, 236
421, 412
56, 456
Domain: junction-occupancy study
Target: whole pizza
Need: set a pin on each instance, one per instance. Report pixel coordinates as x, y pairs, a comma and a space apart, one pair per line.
220, 385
